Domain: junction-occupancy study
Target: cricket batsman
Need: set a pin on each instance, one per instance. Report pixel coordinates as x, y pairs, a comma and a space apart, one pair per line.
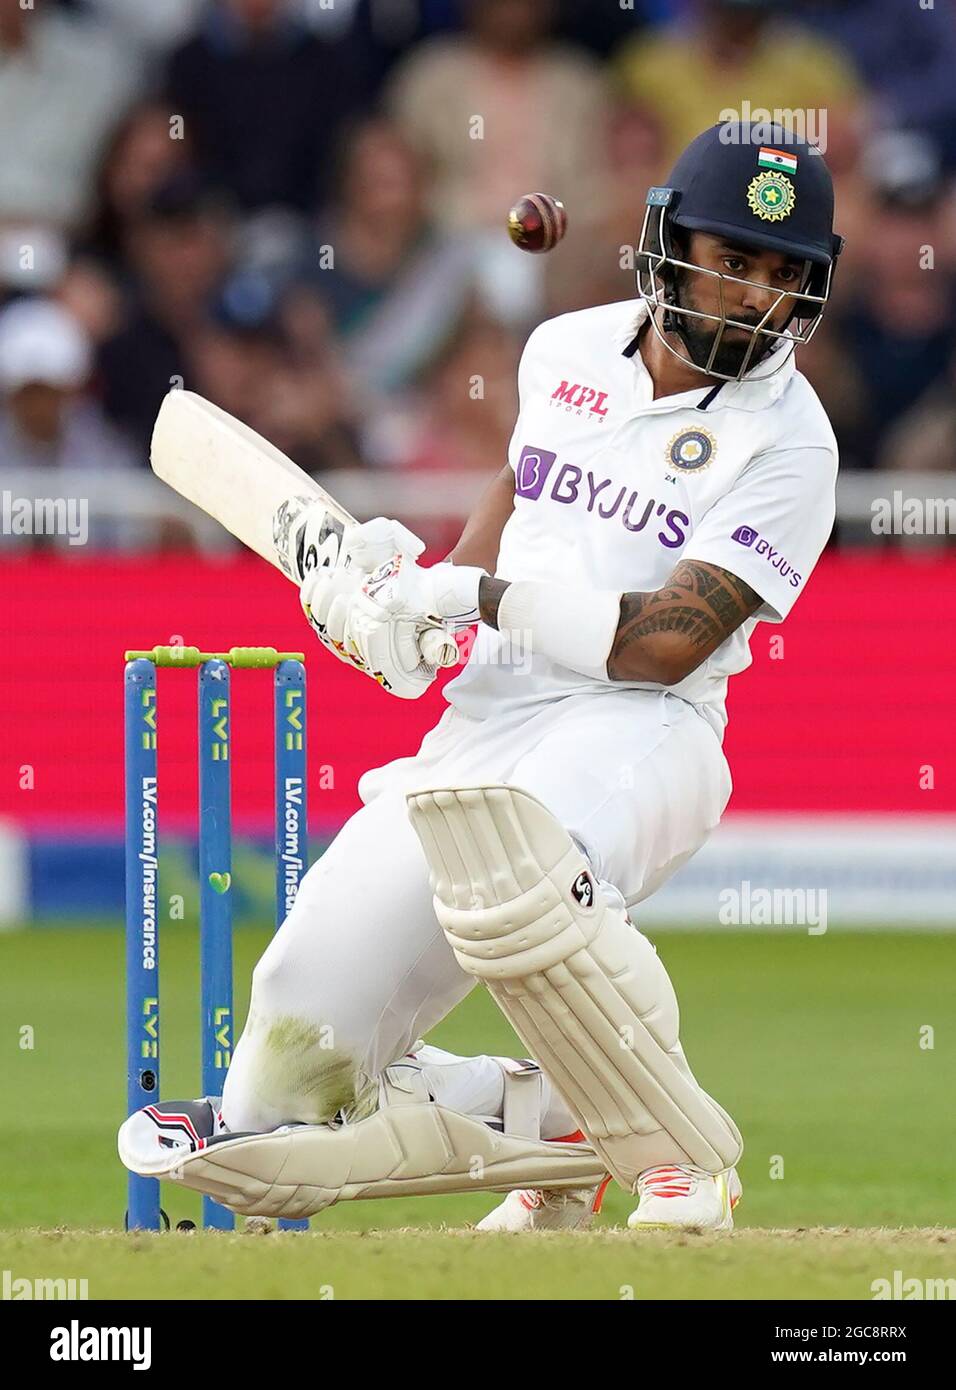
670, 484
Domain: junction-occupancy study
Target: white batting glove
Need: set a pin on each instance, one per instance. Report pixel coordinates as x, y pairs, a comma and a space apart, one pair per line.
335, 568
371, 543
388, 649
444, 593
324, 596
382, 647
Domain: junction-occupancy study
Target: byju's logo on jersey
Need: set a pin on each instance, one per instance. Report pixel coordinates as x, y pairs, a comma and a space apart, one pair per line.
536, 477
532, 471
691, 450
746, 535
579, 400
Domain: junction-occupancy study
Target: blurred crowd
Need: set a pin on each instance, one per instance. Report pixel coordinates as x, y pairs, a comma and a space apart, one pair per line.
297, 208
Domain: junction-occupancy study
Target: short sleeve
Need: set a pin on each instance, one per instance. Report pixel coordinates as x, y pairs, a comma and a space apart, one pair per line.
771, 527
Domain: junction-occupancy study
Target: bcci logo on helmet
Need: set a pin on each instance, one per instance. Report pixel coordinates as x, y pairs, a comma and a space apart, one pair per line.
771, 196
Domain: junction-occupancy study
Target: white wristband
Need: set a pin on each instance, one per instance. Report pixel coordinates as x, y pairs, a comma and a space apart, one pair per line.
456, 592
574, 627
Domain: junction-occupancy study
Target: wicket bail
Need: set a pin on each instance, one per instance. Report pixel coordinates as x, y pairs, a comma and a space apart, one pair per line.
215, 869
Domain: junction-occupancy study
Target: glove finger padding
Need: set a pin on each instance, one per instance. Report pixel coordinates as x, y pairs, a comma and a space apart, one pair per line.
369, 545
321, 587
363, 634
325, 597
389, 649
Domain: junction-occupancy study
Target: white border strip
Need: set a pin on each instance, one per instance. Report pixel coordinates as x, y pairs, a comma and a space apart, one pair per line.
878, 871
14, 876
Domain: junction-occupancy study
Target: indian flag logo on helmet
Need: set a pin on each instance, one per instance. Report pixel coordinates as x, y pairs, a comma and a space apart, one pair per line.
768, 158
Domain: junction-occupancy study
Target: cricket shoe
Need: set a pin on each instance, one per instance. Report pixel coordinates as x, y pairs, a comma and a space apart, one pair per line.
146, 1140
547, 1208
680, 1197
544, 1209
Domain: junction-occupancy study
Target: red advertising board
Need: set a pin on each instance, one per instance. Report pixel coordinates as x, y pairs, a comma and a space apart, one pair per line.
844, 709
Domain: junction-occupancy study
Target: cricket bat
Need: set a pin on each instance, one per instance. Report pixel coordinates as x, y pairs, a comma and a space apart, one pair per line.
258, 494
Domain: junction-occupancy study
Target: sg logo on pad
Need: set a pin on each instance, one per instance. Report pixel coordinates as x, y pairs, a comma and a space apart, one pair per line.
582, 889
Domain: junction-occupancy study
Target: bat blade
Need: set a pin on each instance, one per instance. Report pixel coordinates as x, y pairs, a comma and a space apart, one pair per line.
255, 491
235, 475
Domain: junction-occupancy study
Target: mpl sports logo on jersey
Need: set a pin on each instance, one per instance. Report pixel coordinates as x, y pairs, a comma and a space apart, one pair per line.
576, 399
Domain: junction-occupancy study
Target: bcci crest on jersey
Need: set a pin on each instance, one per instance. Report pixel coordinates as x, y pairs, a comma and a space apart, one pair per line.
691, 450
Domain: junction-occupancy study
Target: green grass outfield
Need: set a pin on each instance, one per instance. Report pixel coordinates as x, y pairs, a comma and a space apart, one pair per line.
812, 1043
608, 1265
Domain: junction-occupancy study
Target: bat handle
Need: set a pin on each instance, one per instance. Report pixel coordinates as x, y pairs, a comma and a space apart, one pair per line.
437, 647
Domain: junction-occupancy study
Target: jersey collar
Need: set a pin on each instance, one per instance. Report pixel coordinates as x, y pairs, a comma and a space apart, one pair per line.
750, 394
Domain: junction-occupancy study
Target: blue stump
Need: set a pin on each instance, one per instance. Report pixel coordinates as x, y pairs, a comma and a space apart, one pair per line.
215, 894
142, 920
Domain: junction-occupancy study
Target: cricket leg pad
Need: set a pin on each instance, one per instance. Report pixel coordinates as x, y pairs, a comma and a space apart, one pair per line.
584, 990
409, 1147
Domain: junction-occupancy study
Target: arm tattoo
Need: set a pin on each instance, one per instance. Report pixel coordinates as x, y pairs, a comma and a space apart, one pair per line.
490, 593
674, 629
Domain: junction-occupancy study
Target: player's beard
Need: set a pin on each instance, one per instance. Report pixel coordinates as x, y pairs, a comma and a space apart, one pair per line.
698, 336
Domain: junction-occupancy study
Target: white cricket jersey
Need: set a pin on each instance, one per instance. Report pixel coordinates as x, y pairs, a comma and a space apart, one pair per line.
613, 488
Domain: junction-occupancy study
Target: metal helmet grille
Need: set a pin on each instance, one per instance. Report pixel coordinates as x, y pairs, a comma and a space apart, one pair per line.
657, 269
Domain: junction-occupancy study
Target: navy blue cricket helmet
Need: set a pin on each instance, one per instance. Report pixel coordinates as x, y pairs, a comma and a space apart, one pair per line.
759, 185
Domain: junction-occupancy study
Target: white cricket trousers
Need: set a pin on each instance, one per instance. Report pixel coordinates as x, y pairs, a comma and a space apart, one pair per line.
361, 969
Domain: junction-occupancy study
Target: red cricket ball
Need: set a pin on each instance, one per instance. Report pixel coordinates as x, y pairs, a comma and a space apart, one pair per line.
537, 222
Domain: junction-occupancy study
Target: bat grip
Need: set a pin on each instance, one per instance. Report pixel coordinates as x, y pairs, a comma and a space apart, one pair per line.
437, 647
